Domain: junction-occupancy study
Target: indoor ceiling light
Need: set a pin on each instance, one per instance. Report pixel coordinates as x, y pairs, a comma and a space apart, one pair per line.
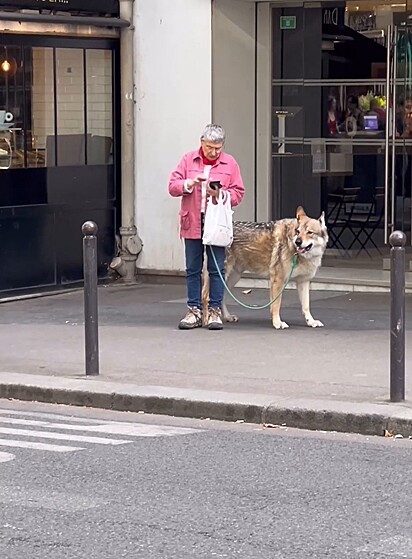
8, 66
5, 66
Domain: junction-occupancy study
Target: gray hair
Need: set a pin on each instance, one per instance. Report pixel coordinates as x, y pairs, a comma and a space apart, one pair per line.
214, 134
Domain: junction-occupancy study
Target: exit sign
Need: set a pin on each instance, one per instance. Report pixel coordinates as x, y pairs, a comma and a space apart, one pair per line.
288, 22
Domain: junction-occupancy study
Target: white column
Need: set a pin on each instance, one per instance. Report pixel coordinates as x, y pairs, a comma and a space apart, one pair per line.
173, 104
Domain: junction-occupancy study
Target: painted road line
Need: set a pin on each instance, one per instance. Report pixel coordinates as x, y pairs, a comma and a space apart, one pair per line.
53, 416
113, 428
39, 446
61, 436
6, 457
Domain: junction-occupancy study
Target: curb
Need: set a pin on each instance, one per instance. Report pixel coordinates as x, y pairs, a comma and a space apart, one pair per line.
363, 418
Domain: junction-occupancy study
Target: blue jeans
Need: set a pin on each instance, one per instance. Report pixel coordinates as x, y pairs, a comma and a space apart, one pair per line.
195, 250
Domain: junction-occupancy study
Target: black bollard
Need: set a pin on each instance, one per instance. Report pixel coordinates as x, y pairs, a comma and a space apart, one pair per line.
91, 325
397, 345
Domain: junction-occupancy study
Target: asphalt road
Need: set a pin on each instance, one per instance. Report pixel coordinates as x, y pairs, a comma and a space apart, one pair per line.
80, 483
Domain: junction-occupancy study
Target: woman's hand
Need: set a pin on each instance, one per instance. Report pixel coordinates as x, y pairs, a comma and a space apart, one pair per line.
213, 192
191, 183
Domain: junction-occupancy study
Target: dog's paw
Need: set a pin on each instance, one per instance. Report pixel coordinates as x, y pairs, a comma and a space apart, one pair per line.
280, 325
231, 318
315, 323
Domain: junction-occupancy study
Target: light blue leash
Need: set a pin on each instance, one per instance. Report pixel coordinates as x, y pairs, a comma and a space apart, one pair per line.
256, 307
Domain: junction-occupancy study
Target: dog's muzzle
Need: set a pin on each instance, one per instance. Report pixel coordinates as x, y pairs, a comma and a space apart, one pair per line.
302, 249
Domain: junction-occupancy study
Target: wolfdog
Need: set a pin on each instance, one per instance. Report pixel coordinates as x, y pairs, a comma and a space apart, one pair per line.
269, 249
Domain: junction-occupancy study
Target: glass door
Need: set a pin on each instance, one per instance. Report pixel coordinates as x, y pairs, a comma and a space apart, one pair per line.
342, 123
398, 135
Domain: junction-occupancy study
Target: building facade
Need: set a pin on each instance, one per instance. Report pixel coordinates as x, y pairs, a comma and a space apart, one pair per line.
59, 138
99, 99
315, 99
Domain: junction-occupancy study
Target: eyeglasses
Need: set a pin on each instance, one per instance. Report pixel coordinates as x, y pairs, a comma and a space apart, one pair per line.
213, 148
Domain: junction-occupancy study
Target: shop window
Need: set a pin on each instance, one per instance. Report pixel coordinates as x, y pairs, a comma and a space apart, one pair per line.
99, 103
40, 106
12, 96
56, 107
67, 147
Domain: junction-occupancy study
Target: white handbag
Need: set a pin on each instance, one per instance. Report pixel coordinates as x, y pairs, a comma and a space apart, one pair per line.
218, 226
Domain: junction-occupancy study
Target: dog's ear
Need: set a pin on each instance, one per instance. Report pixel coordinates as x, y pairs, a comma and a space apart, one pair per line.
300, 212
322, 220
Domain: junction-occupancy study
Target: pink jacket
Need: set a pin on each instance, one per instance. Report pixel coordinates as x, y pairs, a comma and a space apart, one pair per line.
226, 170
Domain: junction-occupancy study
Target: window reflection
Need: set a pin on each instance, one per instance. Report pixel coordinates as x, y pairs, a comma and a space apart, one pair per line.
67, 147
56, 107
40, 105
99, 107
11, 107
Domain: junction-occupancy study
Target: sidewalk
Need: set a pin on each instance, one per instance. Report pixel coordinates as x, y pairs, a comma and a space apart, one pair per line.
331, 378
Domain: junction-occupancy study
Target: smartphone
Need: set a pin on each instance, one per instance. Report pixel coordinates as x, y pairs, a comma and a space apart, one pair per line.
214, 185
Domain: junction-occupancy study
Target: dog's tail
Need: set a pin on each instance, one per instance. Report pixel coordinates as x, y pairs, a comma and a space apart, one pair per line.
205, 292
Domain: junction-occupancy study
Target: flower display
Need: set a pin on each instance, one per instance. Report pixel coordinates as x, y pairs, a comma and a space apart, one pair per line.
365, 101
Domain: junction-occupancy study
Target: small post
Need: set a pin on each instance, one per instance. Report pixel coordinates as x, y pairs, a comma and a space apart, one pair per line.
89, 230
397, 240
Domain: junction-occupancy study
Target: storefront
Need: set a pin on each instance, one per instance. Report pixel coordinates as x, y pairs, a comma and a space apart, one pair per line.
59, 138
315, 99
342, 135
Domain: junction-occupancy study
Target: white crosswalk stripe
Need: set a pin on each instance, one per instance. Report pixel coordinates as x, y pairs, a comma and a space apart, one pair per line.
38, 446
16, 429
6, 457
112, 428
61, 436
44, 415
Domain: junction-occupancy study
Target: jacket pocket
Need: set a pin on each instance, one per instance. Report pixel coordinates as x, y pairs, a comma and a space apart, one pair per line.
184, 220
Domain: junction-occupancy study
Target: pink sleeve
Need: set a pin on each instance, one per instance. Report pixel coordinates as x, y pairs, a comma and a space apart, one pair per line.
236, 187
177, 179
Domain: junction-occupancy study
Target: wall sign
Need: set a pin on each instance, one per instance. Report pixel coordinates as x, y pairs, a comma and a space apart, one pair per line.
333, 16
288, 22
102, 7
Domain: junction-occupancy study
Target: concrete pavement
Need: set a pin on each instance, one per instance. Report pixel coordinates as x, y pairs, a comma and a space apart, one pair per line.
335, 378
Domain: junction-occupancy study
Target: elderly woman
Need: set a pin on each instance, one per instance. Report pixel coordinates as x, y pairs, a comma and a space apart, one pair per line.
191, 181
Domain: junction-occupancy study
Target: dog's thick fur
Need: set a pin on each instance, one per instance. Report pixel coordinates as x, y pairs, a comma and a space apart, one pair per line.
268, 249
